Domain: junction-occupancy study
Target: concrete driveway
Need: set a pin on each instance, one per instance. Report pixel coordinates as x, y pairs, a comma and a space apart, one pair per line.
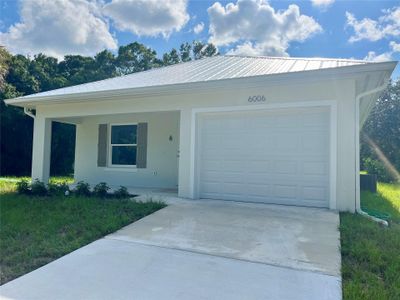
201, 250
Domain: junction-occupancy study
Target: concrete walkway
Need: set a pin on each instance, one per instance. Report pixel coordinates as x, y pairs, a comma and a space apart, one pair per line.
200, 250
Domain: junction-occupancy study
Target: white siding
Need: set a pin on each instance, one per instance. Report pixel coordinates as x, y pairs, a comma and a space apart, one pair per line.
162, 161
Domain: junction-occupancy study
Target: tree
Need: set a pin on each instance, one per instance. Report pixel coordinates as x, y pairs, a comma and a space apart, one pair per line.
382, 128
45, 71
201, 50
21, 75
77, 69
104, 65
136, 57
5, 58
171, 58
185, 52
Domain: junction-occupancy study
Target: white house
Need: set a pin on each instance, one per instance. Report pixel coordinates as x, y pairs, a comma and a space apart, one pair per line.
258, 129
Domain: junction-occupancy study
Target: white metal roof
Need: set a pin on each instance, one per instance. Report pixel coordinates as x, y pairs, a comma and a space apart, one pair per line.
203, 70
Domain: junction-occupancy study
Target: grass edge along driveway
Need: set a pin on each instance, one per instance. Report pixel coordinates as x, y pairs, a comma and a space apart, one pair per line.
37, 230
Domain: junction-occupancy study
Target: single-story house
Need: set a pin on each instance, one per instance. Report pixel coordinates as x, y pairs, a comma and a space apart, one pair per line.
260, 129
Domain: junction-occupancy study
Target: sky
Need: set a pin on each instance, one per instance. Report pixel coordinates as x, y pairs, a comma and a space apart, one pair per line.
366, 29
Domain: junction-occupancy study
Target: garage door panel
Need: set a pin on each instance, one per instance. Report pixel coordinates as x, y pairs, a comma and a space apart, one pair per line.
232, 165
259, 166
315, 168
315, 143
285, 167
314, 193
285, 191
212, 165
287, 143
272, 157
259, 190
233, 177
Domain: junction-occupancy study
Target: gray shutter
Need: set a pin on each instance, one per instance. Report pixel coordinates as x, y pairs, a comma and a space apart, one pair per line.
102, 146
141, 153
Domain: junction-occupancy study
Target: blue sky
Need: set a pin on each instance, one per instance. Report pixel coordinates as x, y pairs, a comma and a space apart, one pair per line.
323, 28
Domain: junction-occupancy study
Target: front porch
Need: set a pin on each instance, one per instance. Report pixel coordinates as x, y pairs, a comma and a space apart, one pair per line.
146, 165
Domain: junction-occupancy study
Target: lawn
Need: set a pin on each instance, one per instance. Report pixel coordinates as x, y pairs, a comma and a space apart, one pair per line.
36, 230
371, 252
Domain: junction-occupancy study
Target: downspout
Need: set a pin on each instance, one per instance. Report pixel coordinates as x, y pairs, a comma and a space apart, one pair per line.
28, 112
357, 160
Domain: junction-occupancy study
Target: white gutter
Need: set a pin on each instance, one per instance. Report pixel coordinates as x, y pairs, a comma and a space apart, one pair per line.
28, 112
357, 142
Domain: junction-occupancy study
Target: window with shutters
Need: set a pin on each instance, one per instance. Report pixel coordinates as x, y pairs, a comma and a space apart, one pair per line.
123, 145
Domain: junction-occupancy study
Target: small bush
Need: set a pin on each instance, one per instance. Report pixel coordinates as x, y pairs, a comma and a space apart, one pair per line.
58, 189
82, 189
373, 166
38, 188
23, 187
121, 193
101, 189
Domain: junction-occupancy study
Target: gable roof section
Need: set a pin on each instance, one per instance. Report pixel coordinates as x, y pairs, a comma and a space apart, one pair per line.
207, 69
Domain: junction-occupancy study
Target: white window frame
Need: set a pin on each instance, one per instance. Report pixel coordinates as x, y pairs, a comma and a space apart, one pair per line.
110, 145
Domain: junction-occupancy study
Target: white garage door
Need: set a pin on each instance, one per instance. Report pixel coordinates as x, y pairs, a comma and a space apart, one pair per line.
277, 156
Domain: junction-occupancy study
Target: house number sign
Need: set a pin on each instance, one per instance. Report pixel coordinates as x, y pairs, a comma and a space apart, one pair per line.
256, 98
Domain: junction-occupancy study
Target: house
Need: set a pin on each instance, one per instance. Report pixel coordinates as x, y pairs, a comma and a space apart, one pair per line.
260, 129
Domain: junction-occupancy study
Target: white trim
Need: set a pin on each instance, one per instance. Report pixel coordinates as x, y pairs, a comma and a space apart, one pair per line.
333, 155
110, 147
331, 104
357, 150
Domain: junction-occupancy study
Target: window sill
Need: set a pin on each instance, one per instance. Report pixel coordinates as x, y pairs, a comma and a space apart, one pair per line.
121, 169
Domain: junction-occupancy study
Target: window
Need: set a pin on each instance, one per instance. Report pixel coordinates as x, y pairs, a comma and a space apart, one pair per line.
123, 145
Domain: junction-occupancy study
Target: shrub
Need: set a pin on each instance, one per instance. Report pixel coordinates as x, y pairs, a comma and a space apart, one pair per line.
38, 188
101, 189
23, 187
373, 166
82, 189
121, 193
58, 188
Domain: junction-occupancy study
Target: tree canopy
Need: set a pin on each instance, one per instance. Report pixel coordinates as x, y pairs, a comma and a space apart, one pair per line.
21, 75
382, 130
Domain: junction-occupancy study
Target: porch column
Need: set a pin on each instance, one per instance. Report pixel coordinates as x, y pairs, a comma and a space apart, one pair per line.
186, 154
41, 149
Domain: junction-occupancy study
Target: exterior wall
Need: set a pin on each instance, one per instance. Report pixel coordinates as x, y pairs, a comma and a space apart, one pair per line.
341, 92
162, 161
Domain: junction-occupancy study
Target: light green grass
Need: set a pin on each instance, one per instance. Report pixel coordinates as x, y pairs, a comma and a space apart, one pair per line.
386, 200
54, 179
37, 230
370, 252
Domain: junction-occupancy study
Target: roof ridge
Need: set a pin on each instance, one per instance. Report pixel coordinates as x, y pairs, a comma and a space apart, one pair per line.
297, 58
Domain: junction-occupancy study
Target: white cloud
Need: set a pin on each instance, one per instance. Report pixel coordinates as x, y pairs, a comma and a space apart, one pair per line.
386, 56
257, 29
198, 28
256, 49
395, 46
373, 30
58, 27
148, 17
372, 56
322, 4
